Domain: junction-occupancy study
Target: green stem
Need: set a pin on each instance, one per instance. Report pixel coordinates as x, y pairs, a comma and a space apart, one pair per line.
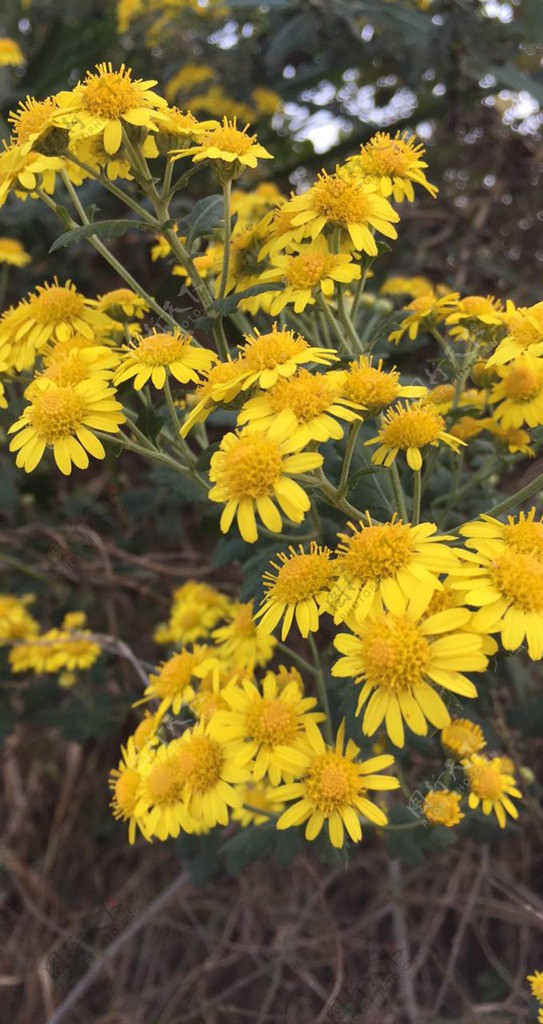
260, 810
321, 690
171, 407
116, 191
360, 291
297, 658
417, 481
398, 492
517, 499
151, 453
346, 322
335, 327
343, 485
330, 493
227, 192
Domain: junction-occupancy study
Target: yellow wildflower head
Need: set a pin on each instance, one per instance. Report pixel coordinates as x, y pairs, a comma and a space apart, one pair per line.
491, 787
308, 272
239, 645
462, 737
442, 807
153, 356
375, 388
394, 163
297, 590
13, 253
409, 429
233, 148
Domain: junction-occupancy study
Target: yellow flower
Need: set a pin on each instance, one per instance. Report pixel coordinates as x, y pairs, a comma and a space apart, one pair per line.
334, 789
536, 985
220, 384
383, 565
256, 797
250, 206
264, 359
174, 683
33, 127
298, 590
196, 610
154, 356
313, 399
442, 807
442, 397
69, 647
408, 429
268, 730
519, 394
235, 149
24, 172
122, 305
467, 427
266, 102
60, 418
474, 312
523, 534
306, 273
512, 438
145, 731
415, 287
16, 622
375, 388
158, 803
253, 471
524, 334
394, 164
355, 207
125, 782
239, 644
401, 658
11, 54
180, 128
426, 310
52, 313
68, 365
108, 101
491, 786
507, 588
13, 253
189, 76
463, 738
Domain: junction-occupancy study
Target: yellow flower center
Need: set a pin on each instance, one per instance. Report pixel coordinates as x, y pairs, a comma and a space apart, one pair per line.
126, 789
525, 536
371, 386
229, 139
68, 371
221, 373
199, 763
519, 577
441, 807
250, 468
302, 576
120, 297
308, 269
388, 157
161, 349
55, 304
477, 305
55, 413
423, 305
332, 782
163, 783
110, 94
174, 675
341, 200
522, 384
31, 117
270, 350
486, 779
243, 624
376, 552
412, 428
443, 393
393, 653
463, 738
271, 721
307, 395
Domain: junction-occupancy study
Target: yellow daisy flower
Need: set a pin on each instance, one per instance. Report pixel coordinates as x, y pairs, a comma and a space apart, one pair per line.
108, 101
514, 440
145, 731
524, 334
122, 305
522, 533
11, 54
536, 985
52, 313
154, 356
311, 270
238, 643
16, 622
235, 149
252, 473
13, 253
474, 312
383, 565
334, 789
33, 127
427, 309
394, 164
355, 207
375, 388
125, 783
220, 383
463, 738
60, 418
313, 399
266, 730
159, 805
23, 173
251, 206
69, 647
408, 429
400, 659
174, 683
442, 807
491, 786
196, 610
68, 365
256, 797
507, 588
264, 359
467, 427
297, 590
415, 287
518, 396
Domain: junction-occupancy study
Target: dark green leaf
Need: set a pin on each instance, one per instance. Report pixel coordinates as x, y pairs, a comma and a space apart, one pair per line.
101, 228
206, 215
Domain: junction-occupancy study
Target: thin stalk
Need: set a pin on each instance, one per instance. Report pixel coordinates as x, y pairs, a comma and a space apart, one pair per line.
116, 191
346, 322
227, 192
297, 658
398, 492
335, 328
171, 407
360, 291
343, 484
321, 690
260, 810
516, 499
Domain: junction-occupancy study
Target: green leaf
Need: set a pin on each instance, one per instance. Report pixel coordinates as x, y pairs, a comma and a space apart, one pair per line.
206, 215
101, 228
228, 305
149, 422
